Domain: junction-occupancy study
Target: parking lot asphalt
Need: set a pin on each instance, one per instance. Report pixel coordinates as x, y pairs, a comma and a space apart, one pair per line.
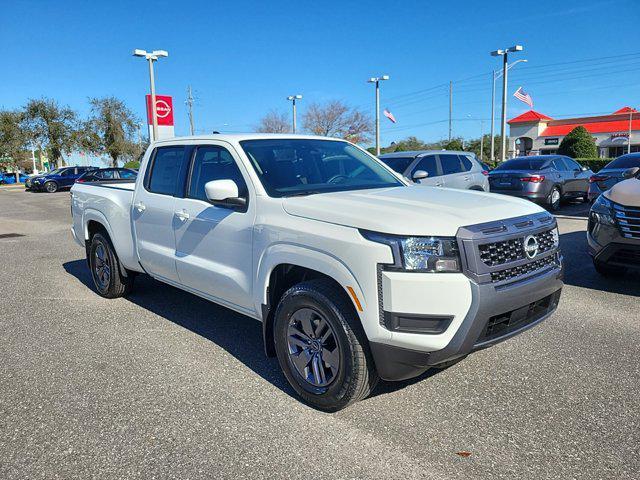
166, 385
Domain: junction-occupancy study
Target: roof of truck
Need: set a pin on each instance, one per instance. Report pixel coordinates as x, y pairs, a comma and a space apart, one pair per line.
238, 137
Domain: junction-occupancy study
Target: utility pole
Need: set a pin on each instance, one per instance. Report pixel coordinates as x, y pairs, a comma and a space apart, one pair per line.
493, 115
629, 138
505, 67
377, 80
189, 103
292, 99
33, 159
450, 108
482, 138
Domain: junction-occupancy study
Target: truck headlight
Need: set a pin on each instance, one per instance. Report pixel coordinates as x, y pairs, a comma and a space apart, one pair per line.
420, 254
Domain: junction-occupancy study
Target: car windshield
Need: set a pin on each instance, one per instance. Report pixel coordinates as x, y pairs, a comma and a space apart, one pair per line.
397, 164
522, 164
288, 167
625, 161
54, 172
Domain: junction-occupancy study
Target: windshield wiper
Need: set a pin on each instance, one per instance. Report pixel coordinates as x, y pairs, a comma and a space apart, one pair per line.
302, 194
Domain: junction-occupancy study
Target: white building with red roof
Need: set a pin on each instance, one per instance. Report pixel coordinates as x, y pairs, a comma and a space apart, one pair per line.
534, 133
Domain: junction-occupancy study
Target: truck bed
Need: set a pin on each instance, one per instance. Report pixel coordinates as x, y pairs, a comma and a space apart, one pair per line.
108, 202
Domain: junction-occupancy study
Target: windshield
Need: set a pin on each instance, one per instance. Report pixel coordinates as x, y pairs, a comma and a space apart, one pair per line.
522, 164
54, 172
625, 161
289, 167
397, 164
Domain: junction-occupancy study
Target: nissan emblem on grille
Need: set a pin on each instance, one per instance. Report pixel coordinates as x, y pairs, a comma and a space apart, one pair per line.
530, 245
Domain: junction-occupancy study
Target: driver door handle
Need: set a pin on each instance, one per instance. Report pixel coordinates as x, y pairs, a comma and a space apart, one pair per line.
182, 215
140, 207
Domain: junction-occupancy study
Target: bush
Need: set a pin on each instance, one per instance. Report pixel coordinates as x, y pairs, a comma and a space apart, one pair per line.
135, 164
578, 143
595, 164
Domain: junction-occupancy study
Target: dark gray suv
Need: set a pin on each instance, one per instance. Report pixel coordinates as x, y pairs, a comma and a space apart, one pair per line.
545, 179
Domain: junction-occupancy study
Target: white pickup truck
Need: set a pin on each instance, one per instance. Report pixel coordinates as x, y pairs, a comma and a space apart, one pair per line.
355, 274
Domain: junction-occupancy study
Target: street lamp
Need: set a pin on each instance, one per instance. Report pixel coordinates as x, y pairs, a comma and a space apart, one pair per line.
495, 75
292, 99
377, 80
152, 57
504, 54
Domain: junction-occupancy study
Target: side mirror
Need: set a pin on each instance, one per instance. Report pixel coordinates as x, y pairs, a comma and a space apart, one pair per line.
224, 192
420, 174
631, 172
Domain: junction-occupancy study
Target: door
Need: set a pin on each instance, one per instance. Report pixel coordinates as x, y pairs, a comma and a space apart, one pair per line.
214, 243
153, 211
452, 171
578, 178
67, 177
429, 163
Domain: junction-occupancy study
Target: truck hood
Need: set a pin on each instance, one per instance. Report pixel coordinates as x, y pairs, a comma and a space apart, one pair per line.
410, 210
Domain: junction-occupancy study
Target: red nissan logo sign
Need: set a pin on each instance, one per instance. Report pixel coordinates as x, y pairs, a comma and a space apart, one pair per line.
164, 110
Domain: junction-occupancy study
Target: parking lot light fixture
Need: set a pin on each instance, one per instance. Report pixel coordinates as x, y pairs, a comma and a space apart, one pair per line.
292, 99
377, 81
152, 57
505, 67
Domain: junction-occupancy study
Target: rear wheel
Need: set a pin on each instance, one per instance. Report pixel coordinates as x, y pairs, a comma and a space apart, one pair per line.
321, 346
608, 270
51, 187
106, 269
553, 200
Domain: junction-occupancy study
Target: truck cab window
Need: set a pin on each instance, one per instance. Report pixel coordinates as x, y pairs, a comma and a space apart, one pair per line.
165, 170
213, 163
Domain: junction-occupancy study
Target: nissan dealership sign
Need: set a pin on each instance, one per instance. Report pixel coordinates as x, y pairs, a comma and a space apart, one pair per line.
164, 114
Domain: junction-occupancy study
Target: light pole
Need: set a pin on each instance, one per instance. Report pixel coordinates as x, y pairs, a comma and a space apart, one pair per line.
152, 57
503, 128
377, 80
292, 99
495, 75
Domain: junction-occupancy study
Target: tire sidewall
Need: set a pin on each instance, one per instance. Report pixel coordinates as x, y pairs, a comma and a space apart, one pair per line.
46, 187
99, 239
337, 393
554, 206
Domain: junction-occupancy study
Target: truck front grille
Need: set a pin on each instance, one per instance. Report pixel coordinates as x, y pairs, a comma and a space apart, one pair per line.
499, 253
628, 219
525, 269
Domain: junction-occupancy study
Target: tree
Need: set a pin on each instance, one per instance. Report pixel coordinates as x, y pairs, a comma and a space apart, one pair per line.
456, 143
336, 119
12, 141
578, 144
110, 130
51, 127
274, 122
474, 146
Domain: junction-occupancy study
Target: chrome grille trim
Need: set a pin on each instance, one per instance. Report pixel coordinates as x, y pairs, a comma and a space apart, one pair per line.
628, 219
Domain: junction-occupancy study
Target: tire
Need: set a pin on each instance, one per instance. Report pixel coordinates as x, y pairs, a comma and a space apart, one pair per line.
340, 370
608, 270
51, 187
106, 270
553, 200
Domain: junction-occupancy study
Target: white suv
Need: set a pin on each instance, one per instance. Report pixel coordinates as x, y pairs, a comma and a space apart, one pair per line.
440, 168
354, 274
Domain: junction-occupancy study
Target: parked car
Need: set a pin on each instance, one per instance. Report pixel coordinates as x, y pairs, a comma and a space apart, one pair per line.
438, 168
545, 179
354, 273
613, 231
10, 178
107, 174
57, 179
611, 174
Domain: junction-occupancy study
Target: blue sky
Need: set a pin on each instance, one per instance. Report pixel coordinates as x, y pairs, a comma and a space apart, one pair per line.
244, 57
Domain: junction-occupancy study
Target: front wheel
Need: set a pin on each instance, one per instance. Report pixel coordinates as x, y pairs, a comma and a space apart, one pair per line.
106, 269
321, 346
51, 187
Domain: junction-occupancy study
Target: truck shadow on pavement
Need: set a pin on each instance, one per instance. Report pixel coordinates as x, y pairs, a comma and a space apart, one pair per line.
579, 270
239, 335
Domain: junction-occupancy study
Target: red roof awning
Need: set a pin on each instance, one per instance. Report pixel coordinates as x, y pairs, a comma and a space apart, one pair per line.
530, 116
592, 127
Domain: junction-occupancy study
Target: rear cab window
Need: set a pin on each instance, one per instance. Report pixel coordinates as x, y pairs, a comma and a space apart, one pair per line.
164, 173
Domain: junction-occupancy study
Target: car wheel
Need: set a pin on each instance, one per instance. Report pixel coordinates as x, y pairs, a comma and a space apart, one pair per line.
321, 346
106, 269
51, 187
608, 270
553, 200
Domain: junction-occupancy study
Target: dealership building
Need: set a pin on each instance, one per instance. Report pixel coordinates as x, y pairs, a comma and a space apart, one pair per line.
534, 133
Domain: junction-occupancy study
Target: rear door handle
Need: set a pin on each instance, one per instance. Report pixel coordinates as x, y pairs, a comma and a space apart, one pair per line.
140, 207
182, 215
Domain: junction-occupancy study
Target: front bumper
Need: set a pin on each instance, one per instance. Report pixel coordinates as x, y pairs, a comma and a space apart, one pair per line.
496, 314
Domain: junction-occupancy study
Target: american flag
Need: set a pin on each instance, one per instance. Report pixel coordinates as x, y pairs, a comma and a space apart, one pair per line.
523, 97
389, 115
